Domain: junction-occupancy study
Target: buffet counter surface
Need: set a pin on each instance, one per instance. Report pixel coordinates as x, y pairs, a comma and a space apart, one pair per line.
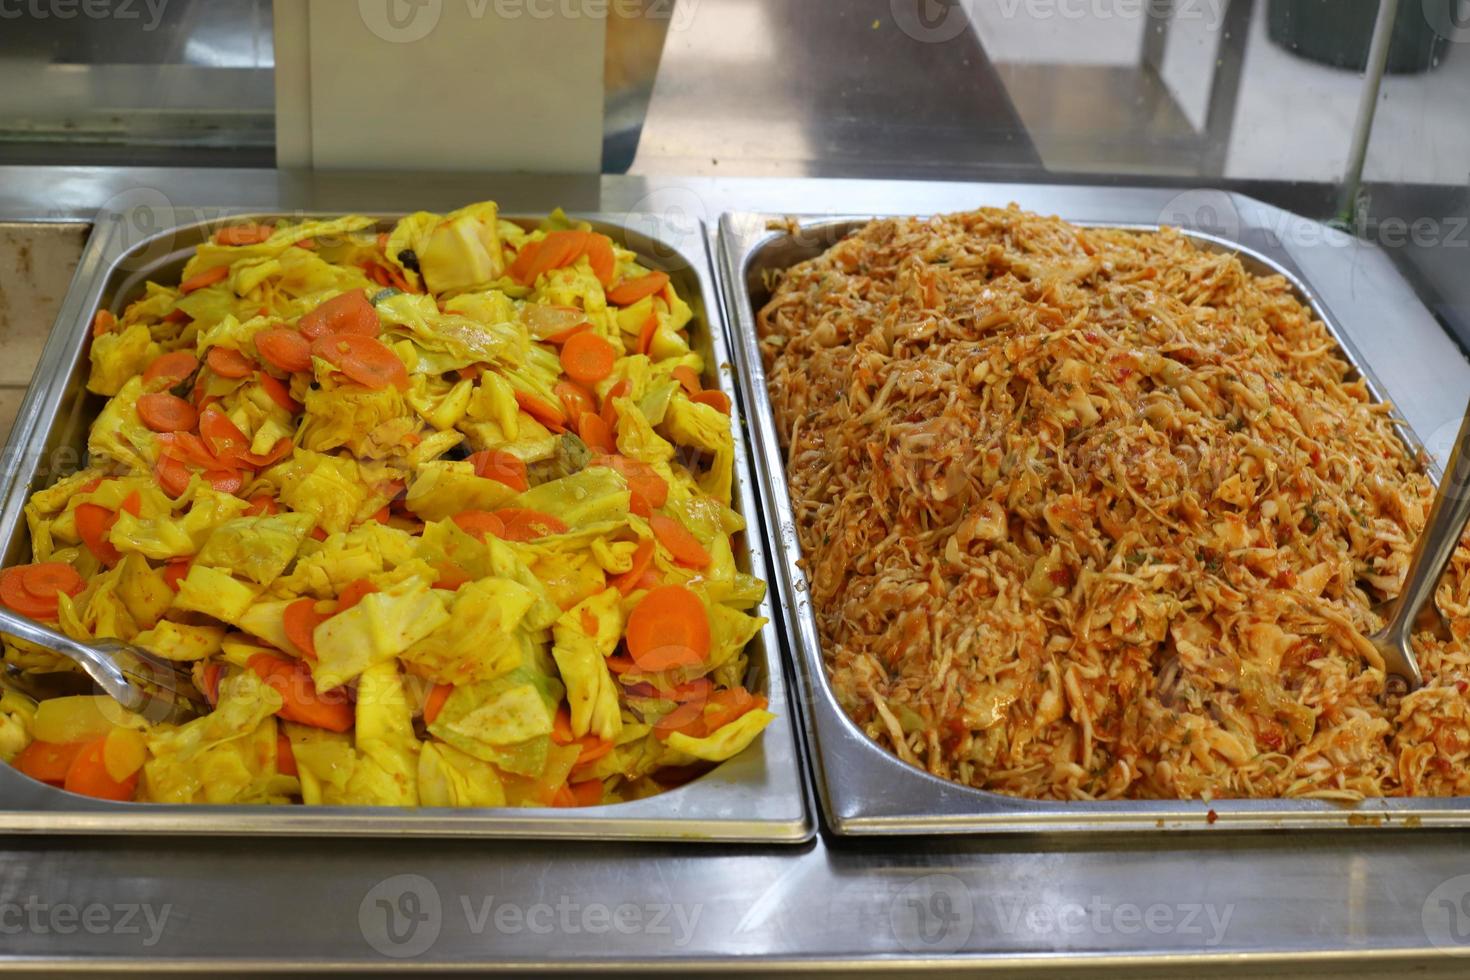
1358, 899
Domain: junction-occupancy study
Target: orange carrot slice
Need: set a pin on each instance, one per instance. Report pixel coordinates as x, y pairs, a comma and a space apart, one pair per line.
587, 358
523, 524
596, 433
609, 411
717, 400
163, 412
48, 761
684, 374
684, 546
350, 312
599, 252
301, 620
285, 758
642, 558
366, 360
645, 335
575, 398
302, 703
103, 323
286, 349
630, 291
228, 362
173, 368
542, 411
353, 592
251, 234
261, 505
88, 775
206, 278
478, 523
503, 467
642, 478
278, 391
172, 475
668, 628
434, 703
93, 522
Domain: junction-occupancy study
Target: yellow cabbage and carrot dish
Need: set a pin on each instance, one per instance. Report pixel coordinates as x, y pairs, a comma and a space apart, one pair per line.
438, 517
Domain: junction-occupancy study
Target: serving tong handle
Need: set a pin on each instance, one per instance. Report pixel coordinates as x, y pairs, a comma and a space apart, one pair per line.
1441, 535
142, 682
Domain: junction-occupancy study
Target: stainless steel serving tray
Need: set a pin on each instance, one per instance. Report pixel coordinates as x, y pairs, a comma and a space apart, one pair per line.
866, 790
758, 796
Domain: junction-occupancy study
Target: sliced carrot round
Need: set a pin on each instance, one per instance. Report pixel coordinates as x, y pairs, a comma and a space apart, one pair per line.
278, 391
163, 412
103, 323
88, 775
173, 475
451, 576
301, 702
630, 291
684, 546
301, 620
286, 349
93, 522
45, 579
638, 504
728, 705
685, 718
172, 368
557, 249
503, 467
434, 703
225, 481
353, 592
285, 758
641, 477
600, 256
261, 505
221, 436
668, 628
14, 595
642, 557
228, 362
596, 433
587, 792
717, 400
174, 572
609, 411
366, 360
588, 358
523, 524
684, 374
575, 398
542, 411
645, 335
206, 278
350, 313
251, 234
47, 761
478, 523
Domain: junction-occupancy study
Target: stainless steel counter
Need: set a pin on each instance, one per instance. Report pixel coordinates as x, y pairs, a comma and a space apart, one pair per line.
1363, 900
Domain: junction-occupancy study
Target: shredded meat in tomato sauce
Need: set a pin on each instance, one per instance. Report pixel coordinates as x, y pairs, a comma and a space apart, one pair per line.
1095, 514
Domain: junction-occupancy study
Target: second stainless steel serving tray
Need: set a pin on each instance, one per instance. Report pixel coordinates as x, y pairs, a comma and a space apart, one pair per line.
757, 796
866, 790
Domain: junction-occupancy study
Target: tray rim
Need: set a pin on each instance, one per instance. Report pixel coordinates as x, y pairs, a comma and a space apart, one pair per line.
912, 800
675, 816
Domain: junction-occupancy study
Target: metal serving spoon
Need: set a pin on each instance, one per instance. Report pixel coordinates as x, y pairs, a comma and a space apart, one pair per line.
1441, 536
140, 681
